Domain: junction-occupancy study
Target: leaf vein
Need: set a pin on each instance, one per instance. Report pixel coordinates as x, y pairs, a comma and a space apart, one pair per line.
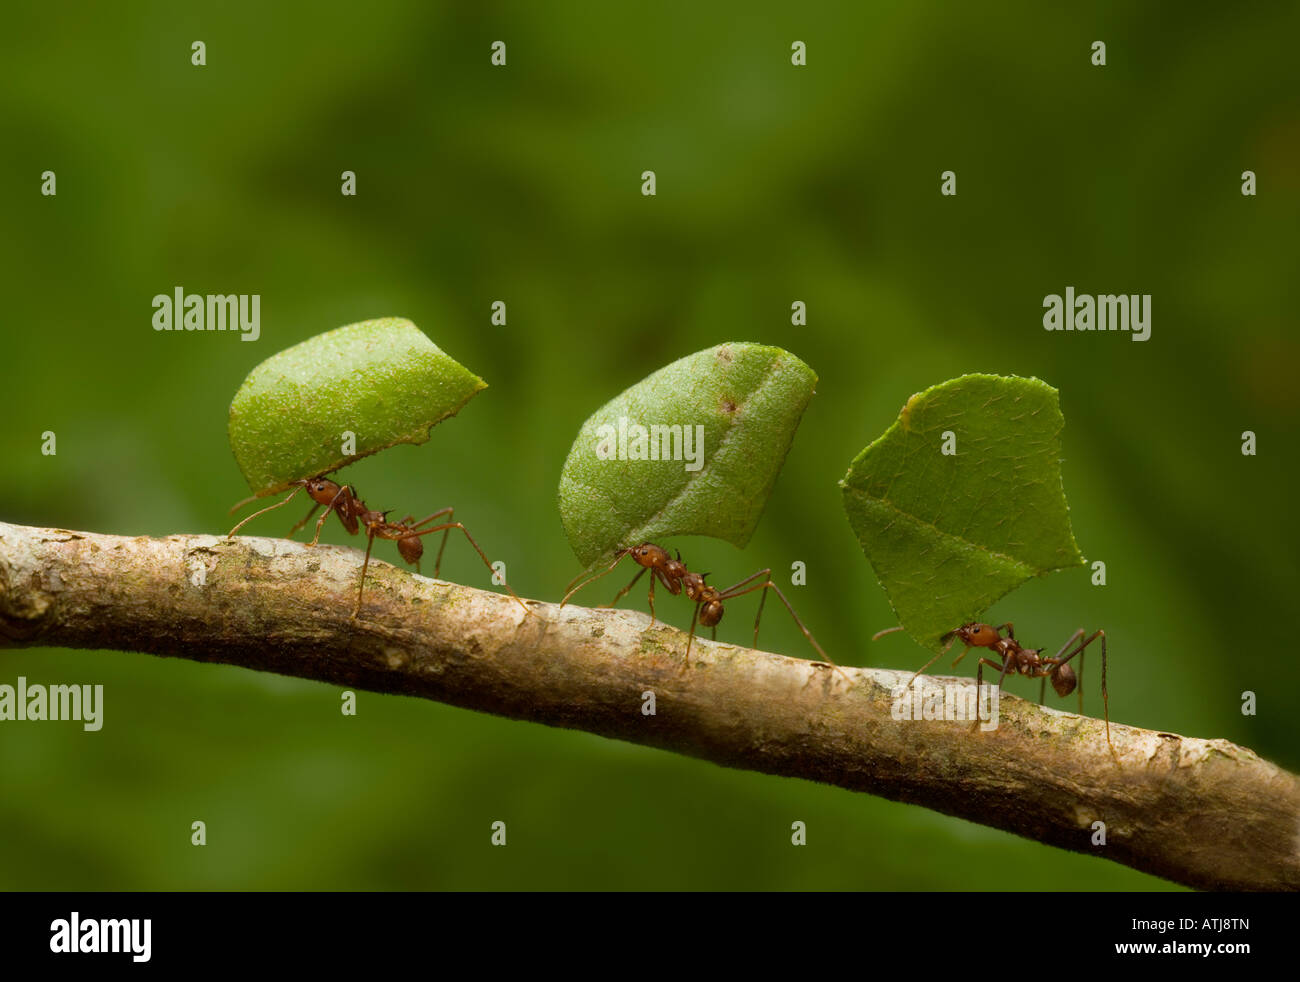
1011, 561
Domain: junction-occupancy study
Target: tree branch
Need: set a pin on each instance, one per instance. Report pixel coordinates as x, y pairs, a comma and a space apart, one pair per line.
1206, 813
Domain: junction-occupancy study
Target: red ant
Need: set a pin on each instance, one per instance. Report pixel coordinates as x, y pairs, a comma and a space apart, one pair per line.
708, 599
354, 514
1015, 658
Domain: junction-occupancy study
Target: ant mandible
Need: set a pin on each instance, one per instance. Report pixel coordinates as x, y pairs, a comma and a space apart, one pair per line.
354, 514
1017, 659
709, 600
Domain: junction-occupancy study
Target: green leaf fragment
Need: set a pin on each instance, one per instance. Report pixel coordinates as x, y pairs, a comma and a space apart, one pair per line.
728, 416
382, 380
949, 535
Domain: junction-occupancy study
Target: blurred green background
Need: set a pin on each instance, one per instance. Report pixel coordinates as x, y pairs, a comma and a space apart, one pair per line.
522, 183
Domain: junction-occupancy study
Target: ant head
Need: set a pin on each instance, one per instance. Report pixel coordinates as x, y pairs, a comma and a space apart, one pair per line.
979, 635
1064, 680
649, 554
321, 489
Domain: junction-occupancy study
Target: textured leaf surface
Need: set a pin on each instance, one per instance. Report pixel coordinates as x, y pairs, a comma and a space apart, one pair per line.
382, 380
949, 535
747, 397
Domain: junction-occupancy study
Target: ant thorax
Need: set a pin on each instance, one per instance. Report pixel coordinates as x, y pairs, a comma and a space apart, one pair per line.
694, 585
1026, 661
1031, 662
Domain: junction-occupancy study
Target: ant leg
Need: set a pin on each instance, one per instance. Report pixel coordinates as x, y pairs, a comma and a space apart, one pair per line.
1061, 658
240, 504
437, 562
1079, 675
651, 598
758, 614
1009, 628
627, 589
1105, 697
735, 591
584, 578
481, 554
979, 681
691, 637
889, 630
320, 522
767, 584
943, 652
345, 492
1003, 667
305, 519
281, 504
448, 511
370, 544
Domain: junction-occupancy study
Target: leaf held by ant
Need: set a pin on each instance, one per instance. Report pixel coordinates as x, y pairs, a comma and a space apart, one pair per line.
381, 380
692, 449
961, 500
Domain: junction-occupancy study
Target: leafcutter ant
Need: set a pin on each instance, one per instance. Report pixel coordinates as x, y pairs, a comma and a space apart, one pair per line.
1014, 659
709, 600
355, 515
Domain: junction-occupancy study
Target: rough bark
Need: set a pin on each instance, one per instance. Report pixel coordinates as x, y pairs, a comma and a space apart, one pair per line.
1206, 813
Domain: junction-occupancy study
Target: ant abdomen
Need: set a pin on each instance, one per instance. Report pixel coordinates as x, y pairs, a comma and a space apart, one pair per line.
711, 613
1063, 680
411, 549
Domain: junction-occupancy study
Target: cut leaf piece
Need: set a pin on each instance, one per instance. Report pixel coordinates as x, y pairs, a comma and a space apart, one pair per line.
382, 380
949, 535
723, 422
